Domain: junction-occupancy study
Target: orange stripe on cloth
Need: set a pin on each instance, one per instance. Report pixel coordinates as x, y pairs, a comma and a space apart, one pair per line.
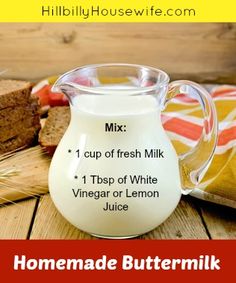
193, 132
183, 128
227, 135
224, 92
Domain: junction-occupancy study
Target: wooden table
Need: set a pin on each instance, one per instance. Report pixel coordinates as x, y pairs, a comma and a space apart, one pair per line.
193, 219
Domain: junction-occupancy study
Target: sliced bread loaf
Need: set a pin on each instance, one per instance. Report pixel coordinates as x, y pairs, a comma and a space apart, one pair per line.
26, 138
7, 133
19, 117
11, 115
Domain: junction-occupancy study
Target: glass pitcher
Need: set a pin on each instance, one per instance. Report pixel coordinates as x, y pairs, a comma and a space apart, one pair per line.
115, 173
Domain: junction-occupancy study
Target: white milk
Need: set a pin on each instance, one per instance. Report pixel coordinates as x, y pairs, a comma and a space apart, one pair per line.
86, 132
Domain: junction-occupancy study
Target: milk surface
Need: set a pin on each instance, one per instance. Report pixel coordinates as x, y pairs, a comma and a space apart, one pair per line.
86, 133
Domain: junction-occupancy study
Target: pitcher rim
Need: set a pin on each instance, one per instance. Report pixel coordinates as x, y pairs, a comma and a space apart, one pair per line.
164, 82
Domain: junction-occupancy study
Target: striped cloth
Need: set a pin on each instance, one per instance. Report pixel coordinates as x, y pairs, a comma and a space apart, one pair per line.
183, 122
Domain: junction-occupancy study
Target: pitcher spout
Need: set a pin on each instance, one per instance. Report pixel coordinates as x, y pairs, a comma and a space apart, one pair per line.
72, 83
64, 87
68, 89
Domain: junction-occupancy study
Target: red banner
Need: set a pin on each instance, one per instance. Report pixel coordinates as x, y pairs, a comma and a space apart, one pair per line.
124, 261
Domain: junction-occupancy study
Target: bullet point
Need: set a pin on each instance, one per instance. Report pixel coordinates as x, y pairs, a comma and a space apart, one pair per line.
76, 177
69, 150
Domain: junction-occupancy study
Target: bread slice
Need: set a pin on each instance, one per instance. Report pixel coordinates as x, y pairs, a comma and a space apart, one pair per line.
55, 126
13, 92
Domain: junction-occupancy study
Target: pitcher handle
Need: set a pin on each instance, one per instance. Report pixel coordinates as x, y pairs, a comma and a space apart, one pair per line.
194, 164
